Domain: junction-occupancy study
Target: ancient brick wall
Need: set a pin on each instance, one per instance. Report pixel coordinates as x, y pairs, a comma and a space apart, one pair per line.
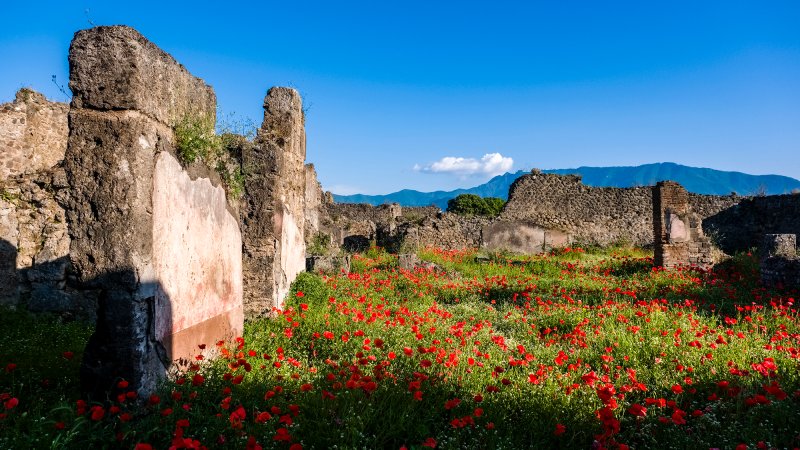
158, 242
677, 231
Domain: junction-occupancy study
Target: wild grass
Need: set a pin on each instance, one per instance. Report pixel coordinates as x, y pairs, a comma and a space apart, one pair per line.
573, 349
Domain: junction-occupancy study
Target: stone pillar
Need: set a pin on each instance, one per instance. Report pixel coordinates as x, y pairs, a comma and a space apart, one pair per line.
157, 242
274, 220
677, 232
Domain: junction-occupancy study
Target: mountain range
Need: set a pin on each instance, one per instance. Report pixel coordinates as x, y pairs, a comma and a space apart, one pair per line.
694, 179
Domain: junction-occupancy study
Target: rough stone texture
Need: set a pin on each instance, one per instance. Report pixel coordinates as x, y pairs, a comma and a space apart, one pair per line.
779, 246
328, 264
274, 221
446, 231
33, 134
314, 196
591, 215
780, 265
158, 245
34, 243
520, 237
742, 226
677, 231
113, 68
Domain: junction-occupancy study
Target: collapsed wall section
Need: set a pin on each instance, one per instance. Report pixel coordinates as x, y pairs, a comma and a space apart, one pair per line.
274, 222
157, 242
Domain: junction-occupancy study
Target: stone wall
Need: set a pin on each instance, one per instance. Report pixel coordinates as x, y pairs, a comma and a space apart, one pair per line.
780, 266
446, 231
591, 215
34, 243
743, 226
157, 242
274, 222
33, 134
677, 231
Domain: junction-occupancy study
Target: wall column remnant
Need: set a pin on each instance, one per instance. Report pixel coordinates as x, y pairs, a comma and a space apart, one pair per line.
274, 221
677, 231
157, 241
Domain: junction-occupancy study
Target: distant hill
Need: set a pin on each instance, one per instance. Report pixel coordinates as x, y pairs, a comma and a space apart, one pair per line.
694, 179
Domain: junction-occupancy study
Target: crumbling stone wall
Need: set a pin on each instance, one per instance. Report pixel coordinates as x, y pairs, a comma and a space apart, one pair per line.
34, 243
677, 230
157, 241
780, 265
743, 226
33, 134
446, 231
274, 222
314, 196
591, 215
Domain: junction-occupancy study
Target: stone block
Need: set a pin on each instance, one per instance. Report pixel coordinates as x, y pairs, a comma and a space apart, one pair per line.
779, 245
328, 264
116, 68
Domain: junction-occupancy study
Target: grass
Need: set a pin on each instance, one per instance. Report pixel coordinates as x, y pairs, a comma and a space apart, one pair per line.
574, 349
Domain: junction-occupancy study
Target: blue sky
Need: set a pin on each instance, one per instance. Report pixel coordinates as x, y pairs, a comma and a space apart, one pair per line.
438, 95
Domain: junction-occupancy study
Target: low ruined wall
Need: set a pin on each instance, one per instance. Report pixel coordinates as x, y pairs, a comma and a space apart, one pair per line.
446, 231
592, 215
743, 226
157, 242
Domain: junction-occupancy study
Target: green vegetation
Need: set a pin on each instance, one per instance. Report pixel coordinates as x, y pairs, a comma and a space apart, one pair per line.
573, 349
320, 245
473, 205
197, 141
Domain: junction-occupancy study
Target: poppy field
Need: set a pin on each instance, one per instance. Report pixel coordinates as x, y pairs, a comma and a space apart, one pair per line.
573, 349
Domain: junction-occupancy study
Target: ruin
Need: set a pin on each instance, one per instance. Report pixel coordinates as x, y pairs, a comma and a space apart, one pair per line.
101, 217
274, 223
780, 265
141, 224
34, 242
677, 230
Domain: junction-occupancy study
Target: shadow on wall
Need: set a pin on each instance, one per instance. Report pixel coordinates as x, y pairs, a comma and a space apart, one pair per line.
743, 226
126, 342
44, 287
8, 274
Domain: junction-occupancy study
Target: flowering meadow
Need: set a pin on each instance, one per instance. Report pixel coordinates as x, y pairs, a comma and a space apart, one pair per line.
575, 349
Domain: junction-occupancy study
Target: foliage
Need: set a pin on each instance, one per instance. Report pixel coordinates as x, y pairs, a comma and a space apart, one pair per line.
320, 245
571, 349
473, 205
197, 141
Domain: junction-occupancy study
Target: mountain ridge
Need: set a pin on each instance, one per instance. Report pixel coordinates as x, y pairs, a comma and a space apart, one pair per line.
698, 180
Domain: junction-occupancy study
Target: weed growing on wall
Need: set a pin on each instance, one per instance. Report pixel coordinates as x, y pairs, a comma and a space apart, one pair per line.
220, 149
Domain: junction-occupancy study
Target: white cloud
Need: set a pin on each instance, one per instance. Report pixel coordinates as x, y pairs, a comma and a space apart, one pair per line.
490, 164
